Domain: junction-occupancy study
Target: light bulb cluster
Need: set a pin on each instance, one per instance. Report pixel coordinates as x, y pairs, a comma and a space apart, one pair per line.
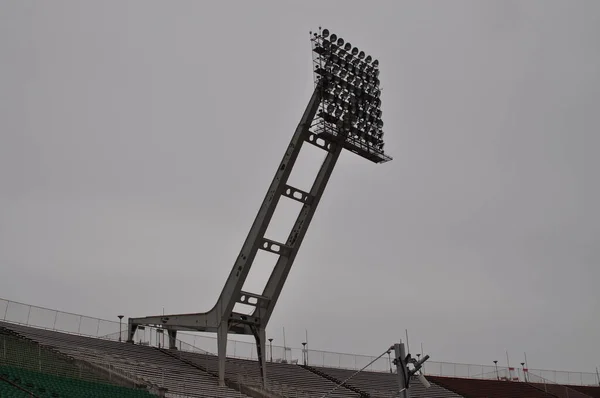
351, 90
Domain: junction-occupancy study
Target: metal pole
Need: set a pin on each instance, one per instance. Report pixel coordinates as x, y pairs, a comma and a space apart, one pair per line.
6, 309
422, 369
306, 339
496, 365
120, 323
401, 370
304, 353
271, 348
284, 347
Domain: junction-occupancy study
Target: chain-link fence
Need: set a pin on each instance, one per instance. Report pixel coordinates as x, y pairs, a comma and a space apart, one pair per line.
45, 318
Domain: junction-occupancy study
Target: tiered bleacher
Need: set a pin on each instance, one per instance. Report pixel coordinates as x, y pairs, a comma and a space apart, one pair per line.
138, 363
10, 390
45, 385
50, 361
474, 388
290, 379
27, 368
383, 385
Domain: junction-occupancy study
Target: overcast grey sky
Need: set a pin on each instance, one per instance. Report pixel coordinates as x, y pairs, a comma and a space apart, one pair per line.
138, 138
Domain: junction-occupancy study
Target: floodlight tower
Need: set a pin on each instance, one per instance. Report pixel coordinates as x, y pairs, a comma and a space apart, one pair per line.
344, 112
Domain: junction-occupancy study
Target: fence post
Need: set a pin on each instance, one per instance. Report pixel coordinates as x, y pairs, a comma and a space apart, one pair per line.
6, 310
28, 313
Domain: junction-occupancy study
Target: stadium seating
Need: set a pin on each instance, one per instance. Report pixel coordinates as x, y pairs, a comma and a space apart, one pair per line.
290, 378
140, 363
474, 388
379, 384
187, 374
7, 390
44, 385
593, 392
559, 391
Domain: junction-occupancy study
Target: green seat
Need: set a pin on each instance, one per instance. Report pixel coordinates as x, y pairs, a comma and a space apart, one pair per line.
50, 386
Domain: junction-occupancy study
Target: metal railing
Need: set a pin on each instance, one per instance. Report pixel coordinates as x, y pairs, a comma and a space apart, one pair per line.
45, 318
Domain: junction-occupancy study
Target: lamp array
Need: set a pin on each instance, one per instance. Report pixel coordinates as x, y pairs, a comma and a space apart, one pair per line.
351, 96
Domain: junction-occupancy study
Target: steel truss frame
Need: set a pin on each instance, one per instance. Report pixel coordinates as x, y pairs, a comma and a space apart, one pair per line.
222, 319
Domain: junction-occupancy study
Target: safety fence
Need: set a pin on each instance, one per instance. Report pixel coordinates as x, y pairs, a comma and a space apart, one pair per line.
50, 319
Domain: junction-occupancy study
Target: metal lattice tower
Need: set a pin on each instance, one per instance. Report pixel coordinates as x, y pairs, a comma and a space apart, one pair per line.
344, 112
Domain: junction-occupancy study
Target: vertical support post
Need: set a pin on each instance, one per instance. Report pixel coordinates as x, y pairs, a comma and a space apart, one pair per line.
131, 328
261, 336
401, 369
172, 339
222, 350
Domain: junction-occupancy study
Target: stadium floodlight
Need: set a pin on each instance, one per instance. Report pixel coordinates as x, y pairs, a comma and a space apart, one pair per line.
344, 112
350, 105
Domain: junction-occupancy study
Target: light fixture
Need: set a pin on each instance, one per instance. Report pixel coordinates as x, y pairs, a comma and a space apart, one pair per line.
350, 95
